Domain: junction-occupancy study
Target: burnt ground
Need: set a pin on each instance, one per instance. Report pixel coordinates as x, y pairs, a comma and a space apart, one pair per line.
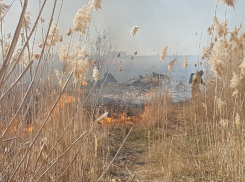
129, 98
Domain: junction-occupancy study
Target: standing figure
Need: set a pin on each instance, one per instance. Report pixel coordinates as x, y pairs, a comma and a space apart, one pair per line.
196, 81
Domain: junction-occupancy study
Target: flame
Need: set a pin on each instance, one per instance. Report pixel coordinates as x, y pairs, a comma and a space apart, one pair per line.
84, 83
122, 118
146, 110
65, 99
29, 129
14, 127
111, 118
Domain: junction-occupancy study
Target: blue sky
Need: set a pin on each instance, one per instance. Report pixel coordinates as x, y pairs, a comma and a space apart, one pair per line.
180, 24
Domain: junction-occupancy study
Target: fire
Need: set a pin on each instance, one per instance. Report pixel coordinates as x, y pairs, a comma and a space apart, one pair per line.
120, 118
84, 83
127, 115
14, 127
105, 121
146, 110
29, 129
65, 99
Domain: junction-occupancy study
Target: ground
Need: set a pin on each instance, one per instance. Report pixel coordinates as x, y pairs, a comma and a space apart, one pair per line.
137, 160
131, 160
160, 153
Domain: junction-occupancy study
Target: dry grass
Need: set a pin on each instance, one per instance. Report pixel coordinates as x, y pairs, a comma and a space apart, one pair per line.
54, 150
201, 140
56, 137
177, 148
48, 123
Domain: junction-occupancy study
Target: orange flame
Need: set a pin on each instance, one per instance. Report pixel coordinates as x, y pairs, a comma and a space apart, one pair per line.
14, 127
29, 129
84, 83
146, 110
65, 99
122, 118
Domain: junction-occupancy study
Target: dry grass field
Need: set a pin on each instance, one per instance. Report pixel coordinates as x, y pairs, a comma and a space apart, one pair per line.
53, 126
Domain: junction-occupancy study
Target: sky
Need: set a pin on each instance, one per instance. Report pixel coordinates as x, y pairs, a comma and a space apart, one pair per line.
179, 24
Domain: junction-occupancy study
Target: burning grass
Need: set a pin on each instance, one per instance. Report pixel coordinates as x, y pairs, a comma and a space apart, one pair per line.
54, 129
55, 147
119, 119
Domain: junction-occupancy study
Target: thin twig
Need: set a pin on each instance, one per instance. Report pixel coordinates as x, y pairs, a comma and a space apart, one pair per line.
9, 139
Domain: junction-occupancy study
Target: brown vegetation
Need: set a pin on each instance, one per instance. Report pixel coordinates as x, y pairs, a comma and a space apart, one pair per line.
51, 128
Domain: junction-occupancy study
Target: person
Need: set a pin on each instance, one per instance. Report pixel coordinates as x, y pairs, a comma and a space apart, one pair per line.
196, 81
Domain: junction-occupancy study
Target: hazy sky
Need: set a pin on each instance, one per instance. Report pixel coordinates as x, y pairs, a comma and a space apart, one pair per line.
176, 23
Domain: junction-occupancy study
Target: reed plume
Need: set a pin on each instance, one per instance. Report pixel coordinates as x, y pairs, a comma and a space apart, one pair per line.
27, 21
220, 28
95, 4
237, 120
82, 19
53, 36
218, 58
134, 30
3, 9
80, 69
210, 29
228, 2
68, 32
242, 67
235, 81
185, 64
95, 75
64, 52
171, 65
163, 53
220, 103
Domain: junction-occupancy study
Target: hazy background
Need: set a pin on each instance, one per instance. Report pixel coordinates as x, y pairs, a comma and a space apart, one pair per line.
179, 24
